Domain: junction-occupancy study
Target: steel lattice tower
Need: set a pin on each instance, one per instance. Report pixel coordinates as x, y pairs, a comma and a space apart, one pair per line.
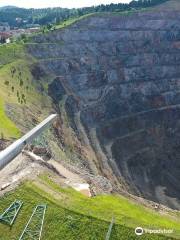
33, 229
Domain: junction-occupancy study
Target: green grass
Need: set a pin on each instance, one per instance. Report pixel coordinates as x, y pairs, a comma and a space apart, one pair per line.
104, 206
7, 128
10, 55
61, 222
11, 52
71, 21
18, 87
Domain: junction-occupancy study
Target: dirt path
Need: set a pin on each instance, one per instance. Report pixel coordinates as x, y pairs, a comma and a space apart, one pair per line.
19, 169
28, 166
72, 179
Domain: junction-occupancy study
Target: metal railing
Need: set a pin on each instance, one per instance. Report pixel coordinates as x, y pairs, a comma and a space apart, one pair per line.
14, 149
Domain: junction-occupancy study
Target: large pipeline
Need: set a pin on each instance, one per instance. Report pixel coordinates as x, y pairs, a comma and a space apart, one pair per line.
15, 148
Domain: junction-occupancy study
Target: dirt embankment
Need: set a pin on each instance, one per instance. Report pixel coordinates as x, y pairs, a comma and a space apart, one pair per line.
28, 166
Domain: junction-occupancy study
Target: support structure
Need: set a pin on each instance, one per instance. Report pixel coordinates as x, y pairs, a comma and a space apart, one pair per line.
12, 151
33, 229
11, 213
108, 235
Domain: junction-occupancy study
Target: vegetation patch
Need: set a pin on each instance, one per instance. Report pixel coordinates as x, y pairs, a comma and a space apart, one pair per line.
11, 52
18, 87
7, 128
60, 221
105, 206
71, 21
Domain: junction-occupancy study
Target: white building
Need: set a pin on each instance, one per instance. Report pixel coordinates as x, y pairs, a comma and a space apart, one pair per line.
4, 37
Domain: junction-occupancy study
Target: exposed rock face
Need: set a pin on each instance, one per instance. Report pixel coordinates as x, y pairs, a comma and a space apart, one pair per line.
119, 77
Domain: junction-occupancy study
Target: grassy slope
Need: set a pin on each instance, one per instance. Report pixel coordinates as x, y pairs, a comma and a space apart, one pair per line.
61, 222
8, 54
7, 127
16, 81
104, 206
71, 21
171, 5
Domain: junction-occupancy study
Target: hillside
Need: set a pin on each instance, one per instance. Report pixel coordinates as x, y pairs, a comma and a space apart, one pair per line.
116, 82
19, 93
113, 79
84, 218
173, 5
47, 16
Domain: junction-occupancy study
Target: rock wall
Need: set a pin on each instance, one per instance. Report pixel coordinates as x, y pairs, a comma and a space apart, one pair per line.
119, 77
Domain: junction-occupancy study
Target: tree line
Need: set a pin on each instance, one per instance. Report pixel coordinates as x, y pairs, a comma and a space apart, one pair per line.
20, 17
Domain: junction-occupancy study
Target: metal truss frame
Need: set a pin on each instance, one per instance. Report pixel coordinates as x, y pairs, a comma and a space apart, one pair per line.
33, 229
11, 212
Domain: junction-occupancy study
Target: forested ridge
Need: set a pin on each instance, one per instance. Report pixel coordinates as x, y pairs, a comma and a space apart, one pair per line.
57, 15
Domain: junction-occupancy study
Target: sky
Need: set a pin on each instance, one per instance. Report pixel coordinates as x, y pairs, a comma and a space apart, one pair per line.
57, 3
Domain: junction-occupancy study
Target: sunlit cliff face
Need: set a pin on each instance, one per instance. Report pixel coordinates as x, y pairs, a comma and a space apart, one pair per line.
119, 77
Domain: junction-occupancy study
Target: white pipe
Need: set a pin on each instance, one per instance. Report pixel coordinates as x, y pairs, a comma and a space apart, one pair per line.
15, 148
